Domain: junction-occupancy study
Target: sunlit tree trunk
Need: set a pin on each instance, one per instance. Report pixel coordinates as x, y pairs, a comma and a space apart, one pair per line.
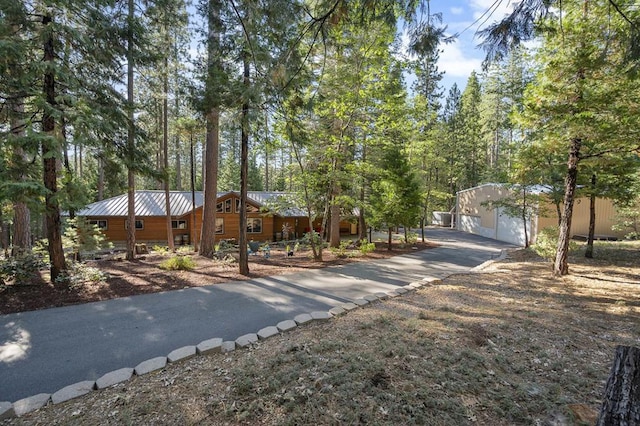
561, 266
50, 154
165, 152
21, 212
244, 171
131, 180
208, 235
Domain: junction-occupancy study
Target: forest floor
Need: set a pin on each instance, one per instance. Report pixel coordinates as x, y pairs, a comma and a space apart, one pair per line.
506, 345
144, 275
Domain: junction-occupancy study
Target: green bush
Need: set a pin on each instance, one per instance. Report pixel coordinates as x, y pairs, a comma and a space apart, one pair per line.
79, 273
163, 250
178, 263
341, 251
366, 247
412, 238
20, 269
547, 243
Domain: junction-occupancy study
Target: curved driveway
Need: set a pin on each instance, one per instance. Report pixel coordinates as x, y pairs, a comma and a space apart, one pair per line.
43, 351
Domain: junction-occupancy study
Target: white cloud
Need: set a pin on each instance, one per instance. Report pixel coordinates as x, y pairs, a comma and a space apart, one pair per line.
457, 10
498, 11
455, 63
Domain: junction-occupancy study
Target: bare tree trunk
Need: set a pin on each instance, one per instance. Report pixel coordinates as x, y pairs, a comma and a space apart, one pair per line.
334, 215
561, 266
21, 213
208, 236
131, 179
524, 216
100, 178
592, 219
390, 231
177, 134
266, 152
194, 234
621, 405
50, 155
165, 153
244, 170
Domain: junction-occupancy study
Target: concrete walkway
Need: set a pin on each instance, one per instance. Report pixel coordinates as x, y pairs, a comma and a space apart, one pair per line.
44, 351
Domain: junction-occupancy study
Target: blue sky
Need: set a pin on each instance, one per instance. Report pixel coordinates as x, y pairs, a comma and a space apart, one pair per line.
462, 56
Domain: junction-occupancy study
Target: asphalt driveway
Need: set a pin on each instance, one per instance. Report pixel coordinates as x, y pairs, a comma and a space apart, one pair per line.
43, 351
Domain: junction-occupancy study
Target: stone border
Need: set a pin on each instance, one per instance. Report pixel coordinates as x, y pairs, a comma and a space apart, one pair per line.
214, 345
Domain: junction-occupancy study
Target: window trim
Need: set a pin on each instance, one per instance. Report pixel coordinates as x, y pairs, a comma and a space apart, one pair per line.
97, 223
141, 221
177, 224
221, 219
254, 219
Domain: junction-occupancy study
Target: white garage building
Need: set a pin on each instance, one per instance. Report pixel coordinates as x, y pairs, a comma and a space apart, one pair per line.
472, 216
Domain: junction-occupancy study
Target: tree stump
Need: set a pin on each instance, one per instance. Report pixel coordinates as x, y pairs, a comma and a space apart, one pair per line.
621, 405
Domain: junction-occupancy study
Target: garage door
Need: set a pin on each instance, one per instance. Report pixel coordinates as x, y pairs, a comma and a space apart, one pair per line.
510, 229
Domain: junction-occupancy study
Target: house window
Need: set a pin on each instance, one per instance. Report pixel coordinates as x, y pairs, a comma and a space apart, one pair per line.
139, 224
178, 224
254, 225
227, 206
250, 208
219, 225
101, 224
219, 207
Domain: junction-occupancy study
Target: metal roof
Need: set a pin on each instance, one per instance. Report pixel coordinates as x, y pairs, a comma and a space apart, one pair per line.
152, 203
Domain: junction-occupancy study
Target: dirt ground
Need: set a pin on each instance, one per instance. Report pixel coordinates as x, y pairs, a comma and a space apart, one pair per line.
509, 345
143, 275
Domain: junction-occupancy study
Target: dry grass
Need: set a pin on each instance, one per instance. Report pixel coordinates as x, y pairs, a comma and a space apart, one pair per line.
510, 345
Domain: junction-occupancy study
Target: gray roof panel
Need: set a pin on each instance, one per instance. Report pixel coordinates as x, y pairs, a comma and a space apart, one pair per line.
152, 203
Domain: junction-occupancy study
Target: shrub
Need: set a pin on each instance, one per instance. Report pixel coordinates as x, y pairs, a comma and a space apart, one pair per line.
160, 249
178, 263
412, 238
82, 237
547, 243
341, 251
79, 273
20, 269
366, 247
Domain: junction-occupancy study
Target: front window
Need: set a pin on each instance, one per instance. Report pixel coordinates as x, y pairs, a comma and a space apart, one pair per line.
139, 224
219, 225
250, 207
178, 224
254, 225
101, 224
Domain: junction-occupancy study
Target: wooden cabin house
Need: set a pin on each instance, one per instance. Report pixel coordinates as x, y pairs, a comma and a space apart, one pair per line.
270, 217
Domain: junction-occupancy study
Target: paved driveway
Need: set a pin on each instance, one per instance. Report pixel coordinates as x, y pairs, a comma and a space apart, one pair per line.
43, 351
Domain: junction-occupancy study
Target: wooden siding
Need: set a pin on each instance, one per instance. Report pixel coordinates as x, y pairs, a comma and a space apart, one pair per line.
470, 205
605, 217
155, 228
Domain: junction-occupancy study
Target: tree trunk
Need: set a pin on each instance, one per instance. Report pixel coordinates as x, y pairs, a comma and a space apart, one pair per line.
621, 405
165, 153
100, 178
334, 227
194, 234
390, 238
524, 216
561, 266
208, 234
592, 218
131, 179
21, 213
50, 155
243, 262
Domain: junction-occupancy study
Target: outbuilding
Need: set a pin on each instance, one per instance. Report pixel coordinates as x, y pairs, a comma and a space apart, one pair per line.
475, 214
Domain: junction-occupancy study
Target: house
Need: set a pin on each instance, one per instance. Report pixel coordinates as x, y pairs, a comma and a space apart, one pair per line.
472, 215
270, 216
